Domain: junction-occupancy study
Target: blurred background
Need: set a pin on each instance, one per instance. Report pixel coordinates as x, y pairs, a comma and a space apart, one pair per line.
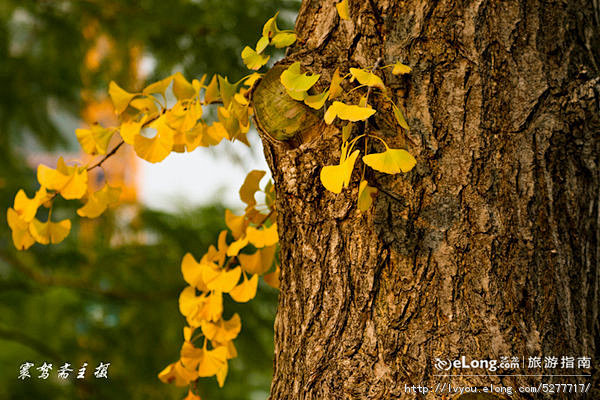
109, 292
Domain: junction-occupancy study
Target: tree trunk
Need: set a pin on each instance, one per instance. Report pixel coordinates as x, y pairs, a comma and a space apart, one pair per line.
489, 247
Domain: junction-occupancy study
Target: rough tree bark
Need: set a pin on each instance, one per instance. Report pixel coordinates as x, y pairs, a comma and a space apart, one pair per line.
490, 246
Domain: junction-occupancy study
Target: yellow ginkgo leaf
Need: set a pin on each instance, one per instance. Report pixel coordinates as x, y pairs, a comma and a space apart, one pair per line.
225, 281
365, 196
391, 161
259, 262
214, 307
241, 100
237, 224
222, 331
335, 89
346, 131
253, 59
270, 27
210, 270
159, 87
292, 79
263, 237
211, 94
192, 273
401, 69
145, 104
343, 9
200, 308
187, 333
347, 112
94, 140
182, 89
226, 90
231, 350
212, 361
298, 95
262, 44
157, 148
251, 263
49, 232
235, 247
198, 85
99, 201
119, 97
129, 130
178, 374
283, 39
194, 137
399, 117
70, 181
222, 374
317, 101
26, 207
214, 134
21, 236
222, 245
251, 186
184, 116
190, 355
367, 78
189, 302
272, 279
246, 290
251, 79
337, 177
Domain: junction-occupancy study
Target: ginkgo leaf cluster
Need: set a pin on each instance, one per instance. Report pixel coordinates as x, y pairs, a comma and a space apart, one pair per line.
271, 35
392, 161
224, 270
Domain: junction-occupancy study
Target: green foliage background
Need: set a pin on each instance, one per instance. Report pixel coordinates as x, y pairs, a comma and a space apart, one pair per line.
106, 300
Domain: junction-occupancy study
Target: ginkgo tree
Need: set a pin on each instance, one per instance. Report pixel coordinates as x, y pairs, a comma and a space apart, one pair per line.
376, 271
155, 129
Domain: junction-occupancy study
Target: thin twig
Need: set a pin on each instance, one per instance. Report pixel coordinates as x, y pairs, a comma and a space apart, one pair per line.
110, 154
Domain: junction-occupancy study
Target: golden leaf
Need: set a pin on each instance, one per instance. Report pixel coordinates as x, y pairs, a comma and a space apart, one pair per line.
222, 331
182, 89
367, 78
119, 97
99, 201
401, 69
272, 279
336, 177
49, 232
317, 101
157, 148
253, 59
22, 239
246, 290
391, 161
347, 112
335, 89
343, 9
71, 182
263, 237
26, 207
251, 186
292, 79
94, 140
365, 196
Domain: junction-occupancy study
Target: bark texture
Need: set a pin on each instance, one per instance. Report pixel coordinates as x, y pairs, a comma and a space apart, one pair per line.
490, 246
